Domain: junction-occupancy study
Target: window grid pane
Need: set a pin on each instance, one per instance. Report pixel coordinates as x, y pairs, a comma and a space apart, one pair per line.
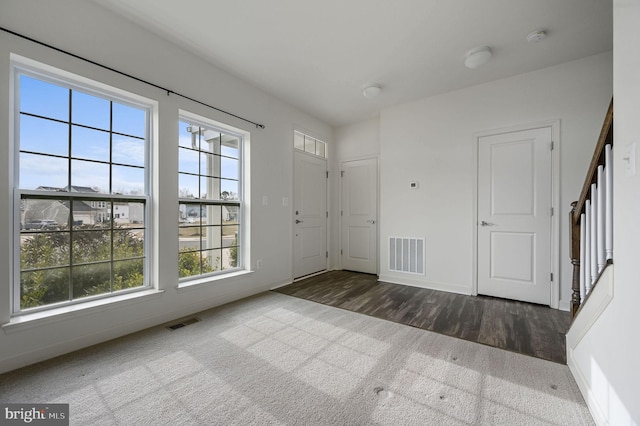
309, 144
203, 241
75, 240
209, 173
87, 239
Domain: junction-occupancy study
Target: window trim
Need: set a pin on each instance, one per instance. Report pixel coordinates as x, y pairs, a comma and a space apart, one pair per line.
24, 66
31, 319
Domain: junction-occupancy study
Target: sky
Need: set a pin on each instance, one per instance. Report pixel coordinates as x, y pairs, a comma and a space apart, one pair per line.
47, 138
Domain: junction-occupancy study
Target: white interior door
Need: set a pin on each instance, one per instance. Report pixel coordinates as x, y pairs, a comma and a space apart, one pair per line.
359, 248
310, 215
514, 215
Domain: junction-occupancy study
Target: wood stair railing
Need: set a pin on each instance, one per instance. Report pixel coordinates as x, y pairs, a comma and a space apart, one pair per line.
591, 221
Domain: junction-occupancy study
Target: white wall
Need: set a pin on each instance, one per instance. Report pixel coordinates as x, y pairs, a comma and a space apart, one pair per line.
358, 140
431, 141
88, 30
606, 362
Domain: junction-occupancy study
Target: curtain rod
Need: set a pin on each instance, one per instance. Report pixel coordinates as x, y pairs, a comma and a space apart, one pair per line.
169, 91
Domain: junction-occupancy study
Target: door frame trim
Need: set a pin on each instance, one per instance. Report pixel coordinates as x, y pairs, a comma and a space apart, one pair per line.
293, 207
340, 207
554, 296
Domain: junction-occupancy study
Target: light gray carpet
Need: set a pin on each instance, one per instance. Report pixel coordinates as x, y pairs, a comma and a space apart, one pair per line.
276, 359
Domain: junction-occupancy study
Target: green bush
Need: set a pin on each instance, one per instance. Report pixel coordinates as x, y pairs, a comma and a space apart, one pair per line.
97, 267
92, 271
233, 253
189, 263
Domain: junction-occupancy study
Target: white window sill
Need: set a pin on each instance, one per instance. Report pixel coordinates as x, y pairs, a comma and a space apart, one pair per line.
198, 282
36, 319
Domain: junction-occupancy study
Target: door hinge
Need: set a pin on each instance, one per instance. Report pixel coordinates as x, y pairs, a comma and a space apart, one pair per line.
340, 212
327, 215
327, 254
551, 276
551, 211
340, 252
552, 146
342, 173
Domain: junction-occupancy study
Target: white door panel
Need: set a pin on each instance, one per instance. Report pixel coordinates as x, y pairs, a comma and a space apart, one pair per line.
310, 214
513, 256
512, 185
359, 215
514, 215
359, 242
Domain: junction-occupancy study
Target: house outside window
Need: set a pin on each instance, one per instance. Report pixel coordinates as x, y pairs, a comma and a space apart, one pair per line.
80, 149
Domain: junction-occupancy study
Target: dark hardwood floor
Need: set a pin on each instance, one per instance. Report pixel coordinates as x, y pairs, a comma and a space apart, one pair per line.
521, 327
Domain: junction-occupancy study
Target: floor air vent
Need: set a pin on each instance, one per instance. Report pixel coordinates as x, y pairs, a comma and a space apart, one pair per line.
406, 255
183, 323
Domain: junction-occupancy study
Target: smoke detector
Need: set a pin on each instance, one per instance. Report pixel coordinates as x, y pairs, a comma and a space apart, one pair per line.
536, 36
372, 91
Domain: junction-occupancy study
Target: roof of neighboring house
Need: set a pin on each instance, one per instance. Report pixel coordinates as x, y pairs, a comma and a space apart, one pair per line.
48, 188
81, 206
78, 205
74, 188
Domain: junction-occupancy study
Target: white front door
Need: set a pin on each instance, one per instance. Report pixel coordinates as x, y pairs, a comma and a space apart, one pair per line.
359, 227
310, 215
514, 215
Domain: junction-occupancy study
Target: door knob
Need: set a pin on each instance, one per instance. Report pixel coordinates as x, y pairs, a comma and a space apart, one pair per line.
371, 221
483, 223
299, 221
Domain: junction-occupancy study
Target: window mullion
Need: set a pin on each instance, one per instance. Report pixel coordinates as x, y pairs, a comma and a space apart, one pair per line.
111, 248
70, 173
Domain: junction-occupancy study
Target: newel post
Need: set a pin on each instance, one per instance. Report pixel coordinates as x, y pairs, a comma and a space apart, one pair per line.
574, 229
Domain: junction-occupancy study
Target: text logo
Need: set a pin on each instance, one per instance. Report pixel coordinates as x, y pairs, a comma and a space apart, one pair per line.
34, 414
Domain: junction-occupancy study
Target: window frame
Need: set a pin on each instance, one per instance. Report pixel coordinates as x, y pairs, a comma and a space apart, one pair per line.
23, 66
311, 139
242, 136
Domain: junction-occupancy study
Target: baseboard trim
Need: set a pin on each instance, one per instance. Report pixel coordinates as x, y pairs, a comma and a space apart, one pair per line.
281, 284
595, 409
431, 285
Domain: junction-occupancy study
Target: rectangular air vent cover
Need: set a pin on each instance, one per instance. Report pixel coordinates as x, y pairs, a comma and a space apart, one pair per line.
183, 323
407, 255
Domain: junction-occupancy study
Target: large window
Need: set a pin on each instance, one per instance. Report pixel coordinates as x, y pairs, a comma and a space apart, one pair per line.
210, 194
81, 185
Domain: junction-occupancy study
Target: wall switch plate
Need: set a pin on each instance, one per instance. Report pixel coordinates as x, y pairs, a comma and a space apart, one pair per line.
259, 264
265, 200
285, 201
629, 158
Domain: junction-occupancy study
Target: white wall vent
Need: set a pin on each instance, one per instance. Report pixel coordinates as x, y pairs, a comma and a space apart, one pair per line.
406, 255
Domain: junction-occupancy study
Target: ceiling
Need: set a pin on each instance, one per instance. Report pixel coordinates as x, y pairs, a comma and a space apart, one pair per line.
320, 55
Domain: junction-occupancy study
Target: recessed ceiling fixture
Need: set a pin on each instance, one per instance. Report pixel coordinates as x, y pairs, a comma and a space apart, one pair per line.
537, 36
372, 91
477, 57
